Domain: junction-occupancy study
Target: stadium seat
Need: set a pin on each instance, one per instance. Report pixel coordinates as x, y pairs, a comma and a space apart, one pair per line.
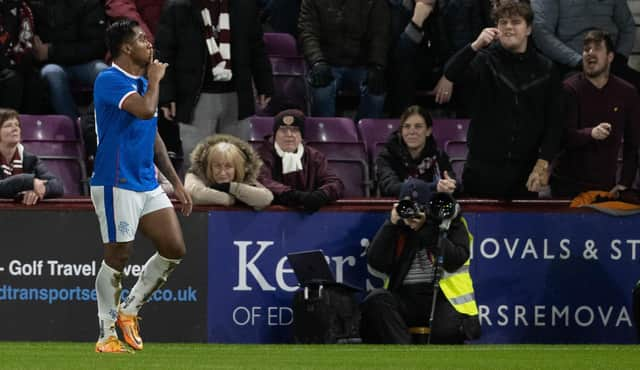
57, 140
49, 127
446, 130
259, 128
456, 149
280, 44
375, 132
70, 171
349, 162
331, 129
290, 87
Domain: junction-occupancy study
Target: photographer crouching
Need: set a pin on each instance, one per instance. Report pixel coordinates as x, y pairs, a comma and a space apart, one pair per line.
424, 250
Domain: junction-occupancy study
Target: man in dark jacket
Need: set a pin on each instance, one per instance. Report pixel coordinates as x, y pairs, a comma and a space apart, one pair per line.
69, 42
345, 43
515, 115
297, 175
216, 54
405, 249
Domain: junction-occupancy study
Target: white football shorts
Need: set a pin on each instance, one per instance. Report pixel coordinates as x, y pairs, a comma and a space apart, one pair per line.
119, 210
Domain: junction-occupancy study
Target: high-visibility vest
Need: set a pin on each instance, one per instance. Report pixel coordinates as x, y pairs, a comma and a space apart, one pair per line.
457, 286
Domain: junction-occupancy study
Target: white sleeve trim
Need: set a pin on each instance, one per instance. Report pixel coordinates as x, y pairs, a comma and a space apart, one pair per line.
125, 97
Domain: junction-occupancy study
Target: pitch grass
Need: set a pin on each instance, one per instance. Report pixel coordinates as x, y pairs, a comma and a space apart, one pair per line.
56, 355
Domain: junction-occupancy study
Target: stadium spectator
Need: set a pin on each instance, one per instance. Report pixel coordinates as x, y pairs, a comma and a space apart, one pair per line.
69, 42
420, 48
297, 175
216, 54
515, 130
20, 85
411, 151
23, 176
346, 44
225, 169
603, 111
124, 189
145, 12
560, 26
404, 249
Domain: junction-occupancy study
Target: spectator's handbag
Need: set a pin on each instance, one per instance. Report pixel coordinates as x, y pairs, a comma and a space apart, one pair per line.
325, 313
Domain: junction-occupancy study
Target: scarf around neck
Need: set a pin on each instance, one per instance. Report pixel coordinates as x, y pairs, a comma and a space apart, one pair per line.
217, 37
14, 166
291, 162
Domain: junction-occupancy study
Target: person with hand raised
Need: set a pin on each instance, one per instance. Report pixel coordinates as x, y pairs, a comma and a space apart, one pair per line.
411, 151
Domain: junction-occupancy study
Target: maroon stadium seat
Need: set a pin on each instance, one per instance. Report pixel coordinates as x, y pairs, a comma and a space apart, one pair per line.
57, 141
280, 44
333, 129
349, 162
290, 87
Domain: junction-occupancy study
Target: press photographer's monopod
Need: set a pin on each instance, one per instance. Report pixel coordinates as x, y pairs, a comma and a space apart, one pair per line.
444, 208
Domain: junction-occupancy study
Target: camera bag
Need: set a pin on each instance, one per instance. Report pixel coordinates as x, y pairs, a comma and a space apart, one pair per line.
325, 313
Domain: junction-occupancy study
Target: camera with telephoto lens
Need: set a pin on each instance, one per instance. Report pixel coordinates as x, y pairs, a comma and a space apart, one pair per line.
443, 206
408, 208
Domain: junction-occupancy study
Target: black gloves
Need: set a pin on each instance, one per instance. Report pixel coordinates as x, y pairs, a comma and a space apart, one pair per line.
224, 187
320, 75
310, 201
375, 80
314, 200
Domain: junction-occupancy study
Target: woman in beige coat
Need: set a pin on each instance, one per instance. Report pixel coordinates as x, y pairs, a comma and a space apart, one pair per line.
225, 169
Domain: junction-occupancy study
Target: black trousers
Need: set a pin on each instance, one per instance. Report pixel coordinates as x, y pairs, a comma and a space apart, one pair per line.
506, 179
387, 317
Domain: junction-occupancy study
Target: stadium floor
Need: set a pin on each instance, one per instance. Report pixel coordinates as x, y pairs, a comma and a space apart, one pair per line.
60, 355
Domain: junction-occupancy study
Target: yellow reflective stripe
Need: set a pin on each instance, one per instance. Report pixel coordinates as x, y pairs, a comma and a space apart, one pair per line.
463, 299
458, 289
469, 308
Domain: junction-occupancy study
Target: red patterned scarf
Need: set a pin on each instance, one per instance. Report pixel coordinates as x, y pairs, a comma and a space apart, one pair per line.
16, 31
14, 166
217, 36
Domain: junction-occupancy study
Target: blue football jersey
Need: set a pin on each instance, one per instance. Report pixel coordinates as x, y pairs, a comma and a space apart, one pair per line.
125, 152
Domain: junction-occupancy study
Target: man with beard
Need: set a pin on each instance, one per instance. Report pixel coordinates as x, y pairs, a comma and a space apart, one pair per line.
603, 111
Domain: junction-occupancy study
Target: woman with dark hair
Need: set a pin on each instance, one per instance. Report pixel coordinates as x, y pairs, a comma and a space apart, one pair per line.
411, 151
22, 175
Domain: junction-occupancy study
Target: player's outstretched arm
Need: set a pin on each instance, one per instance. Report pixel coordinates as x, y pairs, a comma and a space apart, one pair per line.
166, 168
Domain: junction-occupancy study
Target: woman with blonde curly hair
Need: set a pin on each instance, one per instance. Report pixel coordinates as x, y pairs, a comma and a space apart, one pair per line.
225, 169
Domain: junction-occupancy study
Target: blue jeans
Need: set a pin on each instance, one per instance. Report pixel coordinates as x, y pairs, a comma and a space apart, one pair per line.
60, 79
351, 78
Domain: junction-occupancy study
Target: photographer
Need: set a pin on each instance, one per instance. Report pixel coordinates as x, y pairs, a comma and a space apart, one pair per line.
406, 249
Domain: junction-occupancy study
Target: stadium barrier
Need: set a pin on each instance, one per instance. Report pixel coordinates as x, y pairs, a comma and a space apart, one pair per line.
543, 273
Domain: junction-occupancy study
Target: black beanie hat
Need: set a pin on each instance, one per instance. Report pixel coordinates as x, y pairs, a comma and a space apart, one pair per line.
289, 117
